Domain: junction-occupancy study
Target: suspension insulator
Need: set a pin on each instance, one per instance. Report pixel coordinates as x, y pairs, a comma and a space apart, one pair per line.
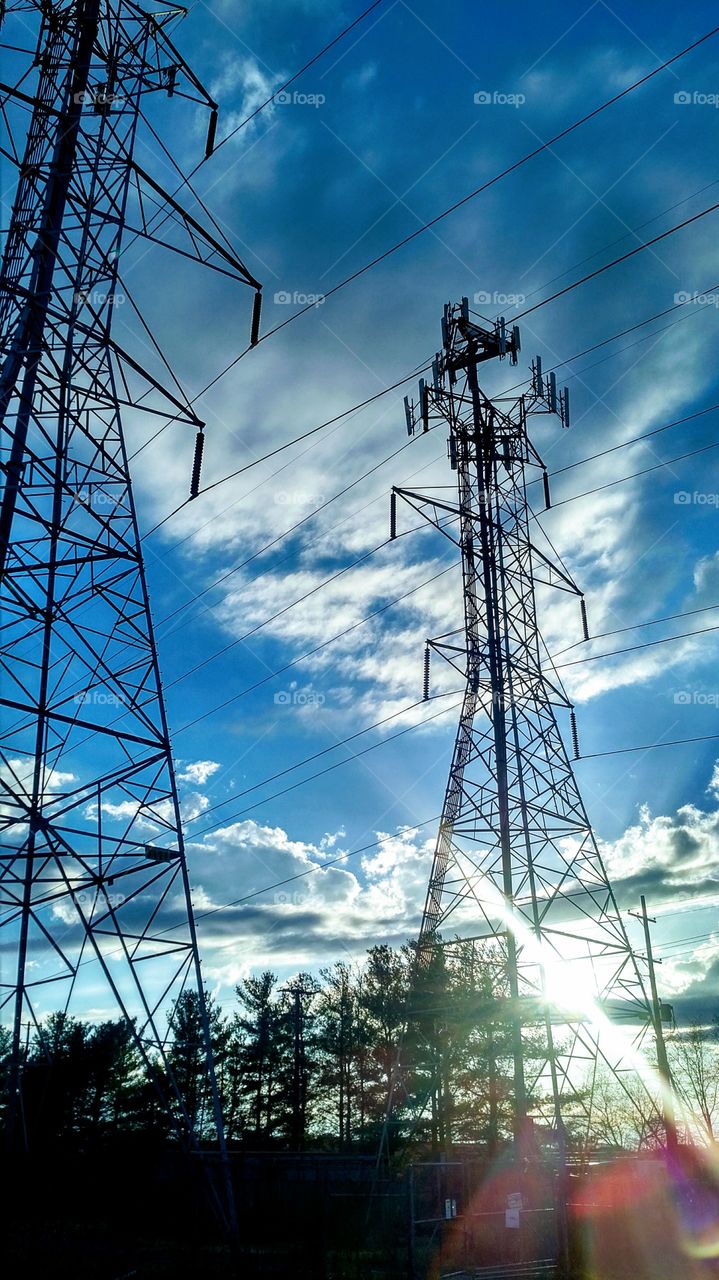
575, 734
425, 692
197, 464
211, 134
547, 495
393, 514
256, 313
585, 624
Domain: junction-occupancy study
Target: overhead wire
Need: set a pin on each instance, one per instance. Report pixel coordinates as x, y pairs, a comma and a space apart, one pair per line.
698, 310
317, 648
458, 204
637, 626
647, 644
316, 755
498, 177
357, 755
361, 559
268, 101
650, 746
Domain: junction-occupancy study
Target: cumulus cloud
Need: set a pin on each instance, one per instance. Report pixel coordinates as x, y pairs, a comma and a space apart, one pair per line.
302, 903
198, 771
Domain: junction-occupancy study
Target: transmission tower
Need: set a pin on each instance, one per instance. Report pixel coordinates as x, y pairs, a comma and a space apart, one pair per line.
516, 866
95, 897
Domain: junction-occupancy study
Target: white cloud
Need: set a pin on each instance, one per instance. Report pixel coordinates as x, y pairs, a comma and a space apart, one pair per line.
198, 771
242, 82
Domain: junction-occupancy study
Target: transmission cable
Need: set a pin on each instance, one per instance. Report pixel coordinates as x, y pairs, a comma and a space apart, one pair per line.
248, 466
623, 444
458, 204
410, 377
512, 168
647, 644
268, 101
386, 542
637, 626
318, 648
357, 755
353, 564
651, 746
341, 742
619, 239
657, 466
608, 266
285, 534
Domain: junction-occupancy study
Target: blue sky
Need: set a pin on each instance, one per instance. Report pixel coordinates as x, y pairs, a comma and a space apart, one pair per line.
380, 136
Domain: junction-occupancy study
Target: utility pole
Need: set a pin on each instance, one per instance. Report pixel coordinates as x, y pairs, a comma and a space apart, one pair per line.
670, 1127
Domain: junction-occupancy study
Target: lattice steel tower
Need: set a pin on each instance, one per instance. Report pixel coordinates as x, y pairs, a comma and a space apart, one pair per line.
516, 865
94, 892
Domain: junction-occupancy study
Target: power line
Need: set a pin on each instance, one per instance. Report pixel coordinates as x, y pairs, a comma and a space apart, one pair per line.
281, 884
285, 609
439, 217
281, 536
676, 306
390, 738
317, 649
651, 746
268, 102
248, 466
636, 626
608, 266
619, 239
424, 369
357, 755
318, 754
237, 568
361, 559
279, 613
657, 466
320, 866
243, 123
647, 644
512, 168
646, 435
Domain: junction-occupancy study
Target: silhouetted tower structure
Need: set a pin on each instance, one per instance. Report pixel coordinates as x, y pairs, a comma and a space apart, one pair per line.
96, 909
516, 866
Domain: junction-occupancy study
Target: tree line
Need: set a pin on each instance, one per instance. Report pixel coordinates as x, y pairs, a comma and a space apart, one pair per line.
312, 1063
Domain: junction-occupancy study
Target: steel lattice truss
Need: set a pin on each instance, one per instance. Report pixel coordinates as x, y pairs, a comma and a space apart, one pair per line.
516, 865
94, 892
